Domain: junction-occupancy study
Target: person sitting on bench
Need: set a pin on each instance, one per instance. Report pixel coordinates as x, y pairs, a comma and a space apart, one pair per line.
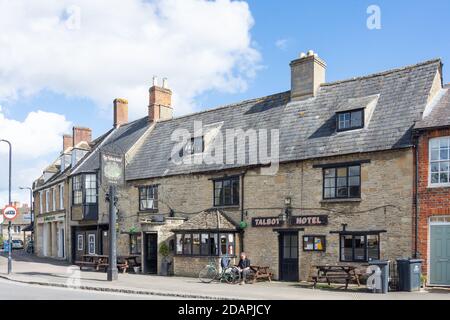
244, 267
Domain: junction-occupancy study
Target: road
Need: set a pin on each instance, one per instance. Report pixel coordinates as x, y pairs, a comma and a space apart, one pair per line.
10, 290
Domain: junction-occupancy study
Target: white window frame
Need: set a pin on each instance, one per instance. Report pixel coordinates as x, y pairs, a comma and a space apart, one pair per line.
61, 197
41, 203
430, 142
90, 237
53, 199
47, 200
80, 241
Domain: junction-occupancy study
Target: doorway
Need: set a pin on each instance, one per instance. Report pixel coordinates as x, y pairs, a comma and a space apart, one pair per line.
288, 255
440, 254
151, 253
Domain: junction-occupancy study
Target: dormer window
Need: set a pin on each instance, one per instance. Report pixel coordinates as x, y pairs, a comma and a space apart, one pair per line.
194, 146
350, 120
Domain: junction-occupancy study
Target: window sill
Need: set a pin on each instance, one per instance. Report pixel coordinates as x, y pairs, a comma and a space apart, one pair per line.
437, 186
235, 207
351, 200
148, 211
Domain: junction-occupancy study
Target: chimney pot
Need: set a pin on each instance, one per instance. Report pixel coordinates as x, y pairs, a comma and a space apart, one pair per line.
120, 112
81, 134
307, 74
160, 103
67, 142
155, 81
165, 83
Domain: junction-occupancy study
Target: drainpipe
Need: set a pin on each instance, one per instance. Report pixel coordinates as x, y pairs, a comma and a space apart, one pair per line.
416, 196
242, 211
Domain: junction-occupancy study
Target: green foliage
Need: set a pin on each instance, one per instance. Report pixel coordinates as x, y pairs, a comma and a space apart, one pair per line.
164, 250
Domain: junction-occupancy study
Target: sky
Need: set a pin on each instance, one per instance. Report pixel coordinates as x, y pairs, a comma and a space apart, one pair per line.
62, 63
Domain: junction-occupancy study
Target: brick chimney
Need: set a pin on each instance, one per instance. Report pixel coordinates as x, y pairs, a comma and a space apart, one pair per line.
120, 112
160, 104
307, 74
81, 134
67, 142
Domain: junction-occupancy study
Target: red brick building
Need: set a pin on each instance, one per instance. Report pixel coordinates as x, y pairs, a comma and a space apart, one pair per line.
433, 185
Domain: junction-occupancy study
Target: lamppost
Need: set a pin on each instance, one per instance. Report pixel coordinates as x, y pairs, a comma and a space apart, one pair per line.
31, 211
10, 203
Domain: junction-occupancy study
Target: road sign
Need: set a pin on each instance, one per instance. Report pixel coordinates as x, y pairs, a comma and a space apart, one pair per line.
10, 212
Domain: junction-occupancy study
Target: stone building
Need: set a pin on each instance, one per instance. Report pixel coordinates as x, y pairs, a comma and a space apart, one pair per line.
51, 198
433, 197
326, 174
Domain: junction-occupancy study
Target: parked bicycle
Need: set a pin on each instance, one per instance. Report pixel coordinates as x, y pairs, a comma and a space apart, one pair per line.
30, 247
210, 272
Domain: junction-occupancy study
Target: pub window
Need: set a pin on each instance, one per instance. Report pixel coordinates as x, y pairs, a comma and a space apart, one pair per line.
205, 244
77, 197
314, 243
47, 200
440, 161
53, 199
193, 146
226, 192
360, 247
90, 181
80, 242
91, 244
148, 198
135, 243
350, 120
342, 182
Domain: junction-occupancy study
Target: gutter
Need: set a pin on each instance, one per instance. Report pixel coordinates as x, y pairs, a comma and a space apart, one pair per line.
242, 209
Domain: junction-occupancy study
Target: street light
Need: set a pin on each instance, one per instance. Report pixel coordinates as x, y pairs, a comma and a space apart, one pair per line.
10, 203
31, 211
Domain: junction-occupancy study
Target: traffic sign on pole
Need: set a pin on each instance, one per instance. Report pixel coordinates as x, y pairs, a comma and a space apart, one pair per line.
10, 213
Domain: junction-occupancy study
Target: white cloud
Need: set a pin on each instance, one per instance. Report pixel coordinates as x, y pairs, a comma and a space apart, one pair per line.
35, 142
282, 44
114, 47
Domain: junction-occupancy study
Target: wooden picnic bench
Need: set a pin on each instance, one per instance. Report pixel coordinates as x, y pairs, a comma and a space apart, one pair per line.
329, 273
102, 262
261, 273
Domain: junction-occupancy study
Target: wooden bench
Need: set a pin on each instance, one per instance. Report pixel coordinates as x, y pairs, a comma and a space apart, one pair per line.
340, 272
261, 273
82, 264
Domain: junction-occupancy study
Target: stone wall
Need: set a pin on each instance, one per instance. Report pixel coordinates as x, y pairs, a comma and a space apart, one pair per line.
386, 204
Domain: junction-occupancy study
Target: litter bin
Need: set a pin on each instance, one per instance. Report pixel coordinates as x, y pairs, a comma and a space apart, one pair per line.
384, 267
409, 274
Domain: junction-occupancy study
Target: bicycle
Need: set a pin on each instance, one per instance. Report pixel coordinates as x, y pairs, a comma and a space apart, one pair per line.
210, 273
30, 247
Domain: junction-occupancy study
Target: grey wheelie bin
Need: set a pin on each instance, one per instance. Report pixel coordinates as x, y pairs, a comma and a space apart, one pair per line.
384, 266
409, 274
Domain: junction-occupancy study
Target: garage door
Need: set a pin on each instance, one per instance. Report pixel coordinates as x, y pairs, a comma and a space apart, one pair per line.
440, 254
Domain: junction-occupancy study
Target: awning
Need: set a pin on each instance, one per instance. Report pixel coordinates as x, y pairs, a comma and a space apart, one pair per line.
28, 228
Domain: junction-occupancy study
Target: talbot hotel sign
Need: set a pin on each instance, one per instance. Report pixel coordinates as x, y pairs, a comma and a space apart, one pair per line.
302, 221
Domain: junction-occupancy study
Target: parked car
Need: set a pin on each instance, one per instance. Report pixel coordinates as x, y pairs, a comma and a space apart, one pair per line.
17, 244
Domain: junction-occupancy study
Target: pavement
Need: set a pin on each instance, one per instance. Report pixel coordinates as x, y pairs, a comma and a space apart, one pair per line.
31, 270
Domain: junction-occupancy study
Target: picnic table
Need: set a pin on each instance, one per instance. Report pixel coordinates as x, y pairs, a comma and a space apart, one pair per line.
336, 272
98, 262
261, 272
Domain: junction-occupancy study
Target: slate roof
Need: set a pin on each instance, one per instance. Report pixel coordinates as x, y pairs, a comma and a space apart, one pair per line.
118, 141
440, 113
207, 221
307, 128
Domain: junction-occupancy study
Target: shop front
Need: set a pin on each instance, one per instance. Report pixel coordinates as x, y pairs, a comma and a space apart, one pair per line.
52, 242
89, 240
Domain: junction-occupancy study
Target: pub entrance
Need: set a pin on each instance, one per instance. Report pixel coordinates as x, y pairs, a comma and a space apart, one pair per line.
151, 253
288, 256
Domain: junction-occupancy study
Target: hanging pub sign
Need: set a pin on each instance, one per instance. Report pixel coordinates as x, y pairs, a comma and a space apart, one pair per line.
321, 220
266, 222
112, 169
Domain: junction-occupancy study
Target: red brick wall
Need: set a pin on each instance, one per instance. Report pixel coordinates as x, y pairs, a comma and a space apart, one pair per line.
432, 201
